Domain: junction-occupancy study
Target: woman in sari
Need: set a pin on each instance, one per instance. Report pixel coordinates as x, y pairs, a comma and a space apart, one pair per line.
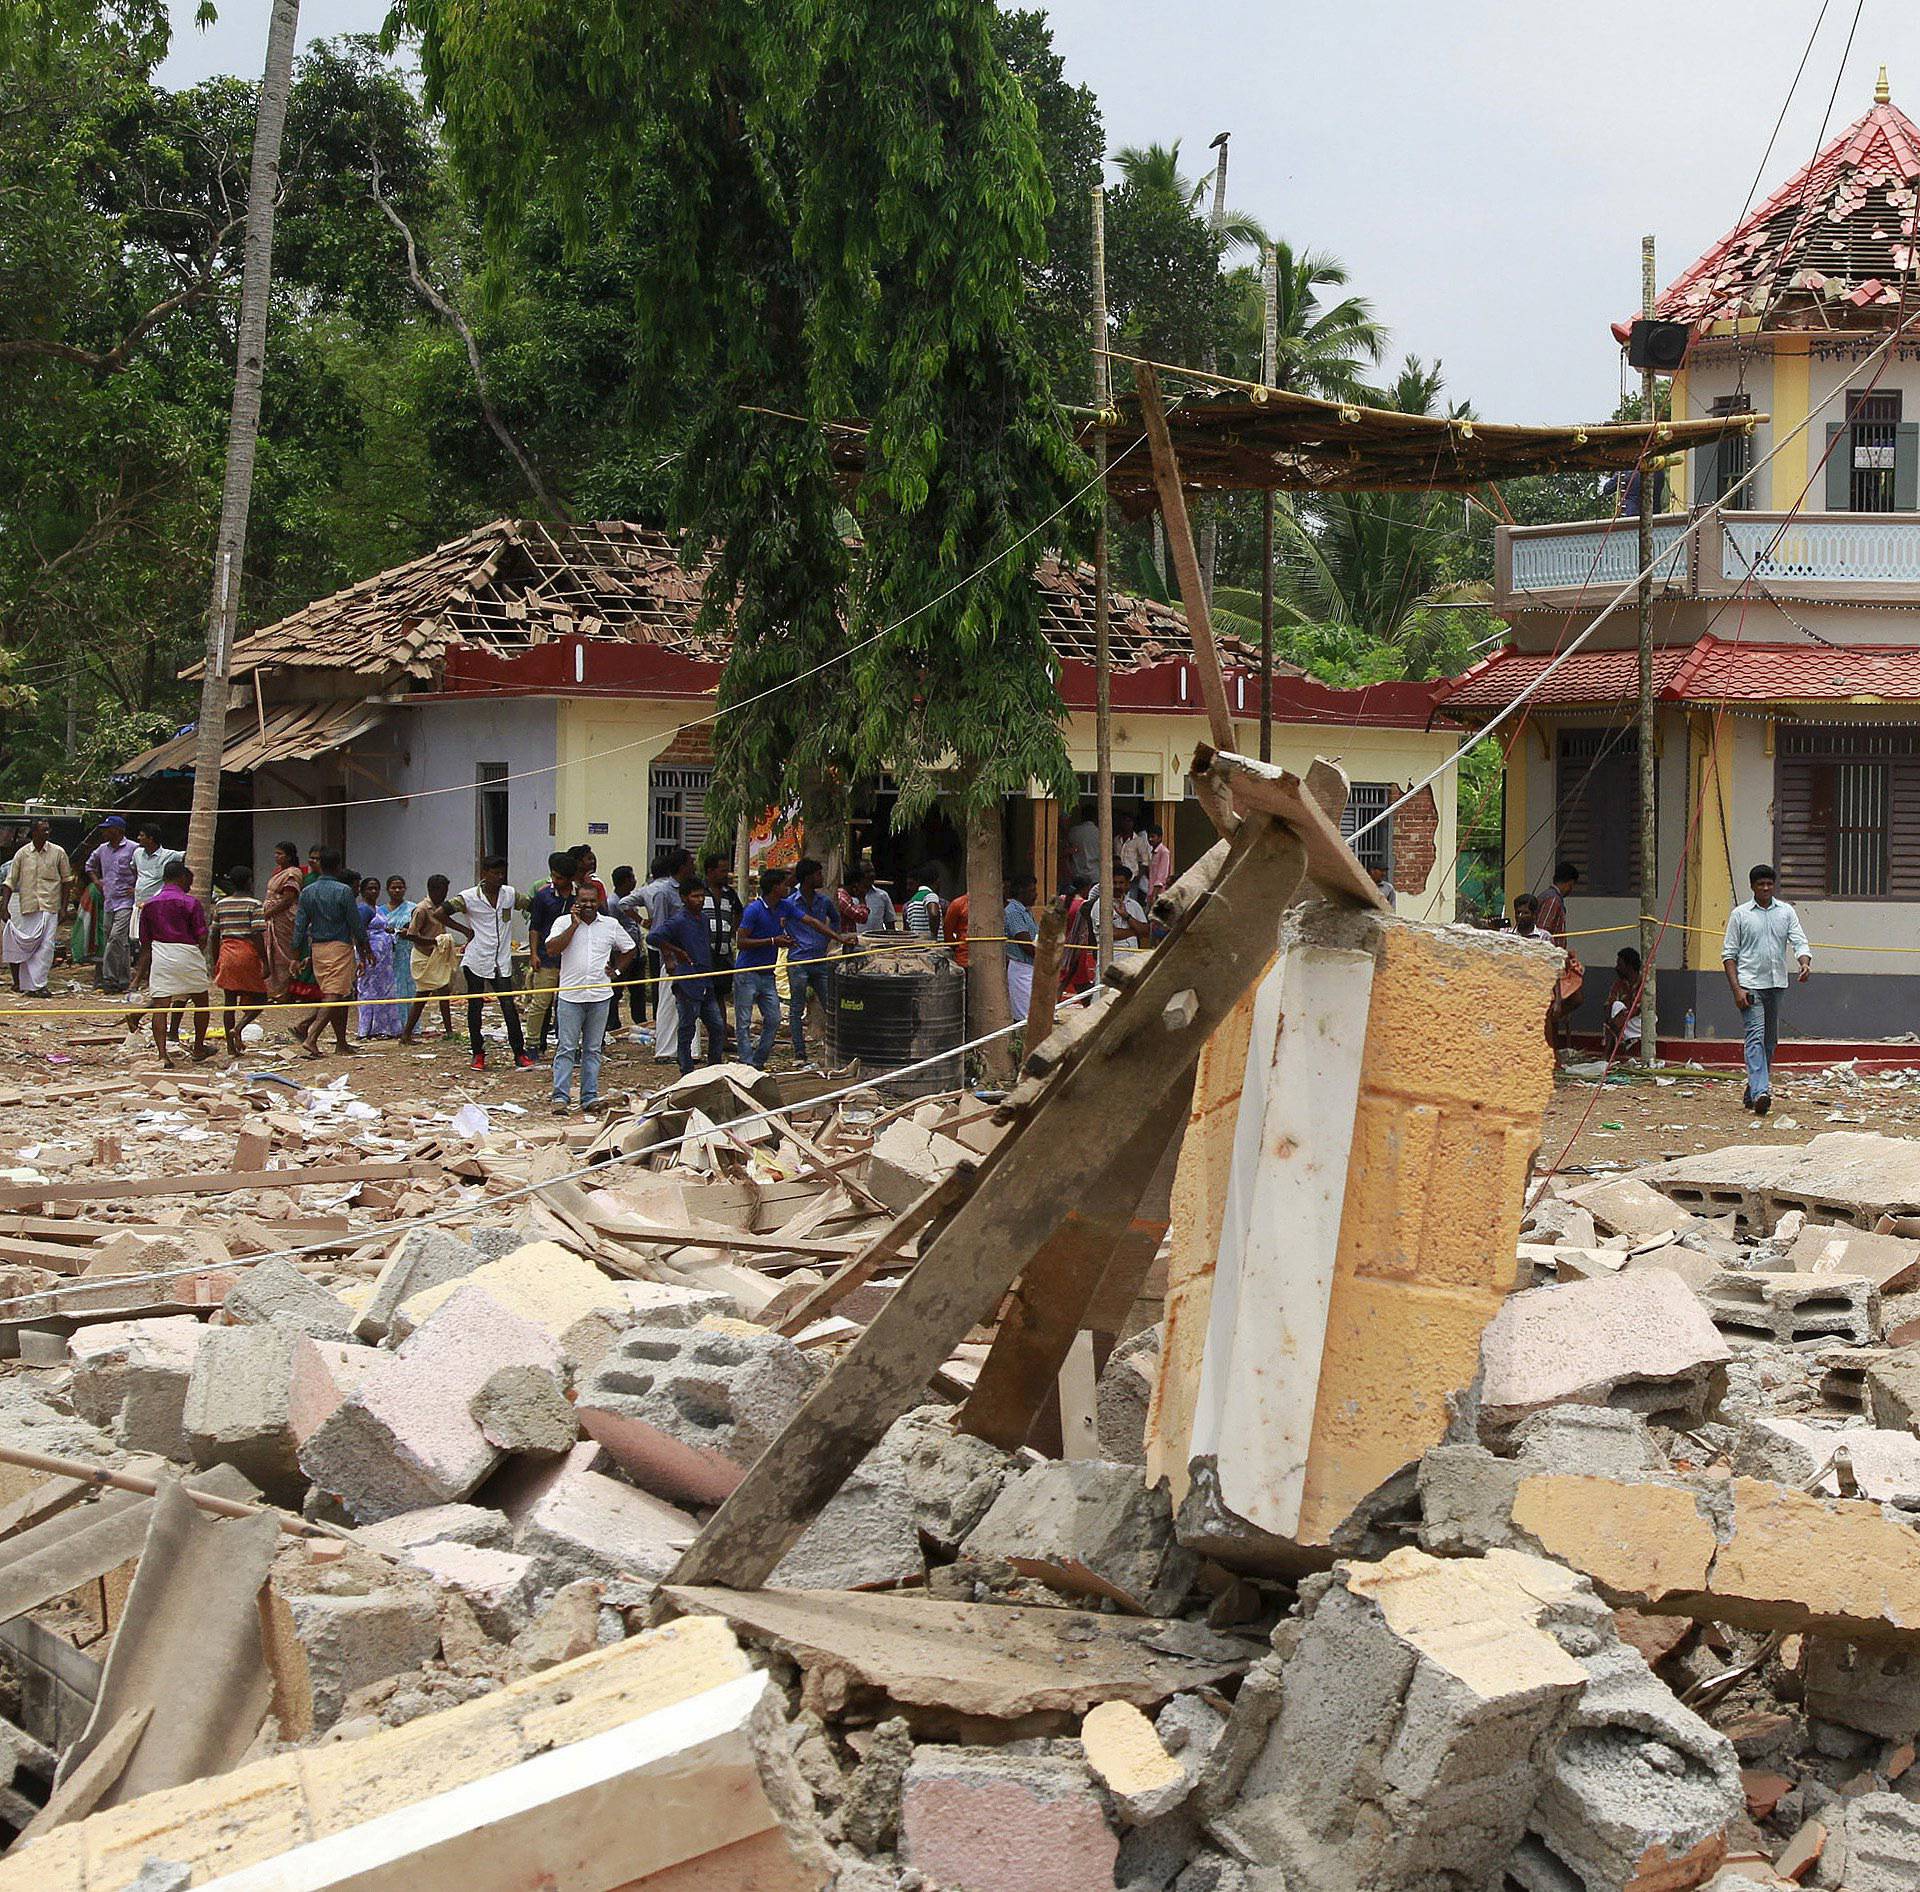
380, 1017
282, 896
399, 917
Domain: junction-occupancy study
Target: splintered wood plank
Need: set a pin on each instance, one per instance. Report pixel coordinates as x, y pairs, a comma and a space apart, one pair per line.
1275, 791
1102, 1089
1056, 1289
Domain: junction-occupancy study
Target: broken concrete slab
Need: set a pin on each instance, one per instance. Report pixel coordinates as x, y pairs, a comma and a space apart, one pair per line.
439, 1524
907, 1159
685, 1412
275, 1290
544, 1284
1876, 1847
576, 1522
405, 1437
1125, 1751
1419, 1704
942, 1665
498, 1585
1624, 1205
427, 1258
130, 1378
1893, 1389
1089, 1529
1558, 1220
1640, 1342
1860, 1685
1734, 1181
669, 1304
523, 1409
1121, 1398
239, 1406
977, 1820
865, 1539
950, 1477
333, 1628
1891, 1262
1785, 1308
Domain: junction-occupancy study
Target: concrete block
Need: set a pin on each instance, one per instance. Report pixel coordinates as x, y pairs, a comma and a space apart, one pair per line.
1890, 1262
130, 1378
1787, 1452
324, 1373
1892, 1390
1879, 1848
440, 1524
864, 1539
405, 1438
1640, 1791
950, 1477
1735, 1181
1420, 1704
522, 1409
324, 1644
1787, 1307
1874, 1688
239, 1407
566, 1628
668, 1304
684, 1413
427, 1258
1843, 1376
1089, 1529
1121, 1398
1624, 1205
499, 1585
1126, 1754
576, 1522
1639, 1342
907, 1159
277, 1291
1561, 1221
544, 1284
1605, 1439
1850, 1176
977, 1820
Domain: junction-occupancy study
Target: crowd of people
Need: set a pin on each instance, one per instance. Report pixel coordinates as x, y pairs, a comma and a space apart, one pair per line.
334, 957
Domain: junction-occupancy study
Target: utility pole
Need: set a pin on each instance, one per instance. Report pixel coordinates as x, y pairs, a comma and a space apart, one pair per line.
1102, 646
1269, 368
243, 437
1649, 837
1209, 513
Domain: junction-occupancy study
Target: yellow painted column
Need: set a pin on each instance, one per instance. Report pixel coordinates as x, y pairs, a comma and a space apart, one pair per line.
1791, 398
1709, 883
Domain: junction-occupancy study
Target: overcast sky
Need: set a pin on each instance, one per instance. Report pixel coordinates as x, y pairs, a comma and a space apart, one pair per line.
1485, 168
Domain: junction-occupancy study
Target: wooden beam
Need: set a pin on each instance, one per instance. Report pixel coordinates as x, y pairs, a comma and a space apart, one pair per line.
1057, 1286
220, 1183
1049, 949
1186, 561
1260, 786
1103, 1086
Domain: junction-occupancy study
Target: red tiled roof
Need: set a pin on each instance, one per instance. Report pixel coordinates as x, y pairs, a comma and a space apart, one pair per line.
1838, 235
1712, 670
1587, 677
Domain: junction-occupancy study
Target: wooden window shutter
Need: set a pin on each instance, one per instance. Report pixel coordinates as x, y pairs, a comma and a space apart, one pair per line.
1802, 825
1906, 466
1839, 466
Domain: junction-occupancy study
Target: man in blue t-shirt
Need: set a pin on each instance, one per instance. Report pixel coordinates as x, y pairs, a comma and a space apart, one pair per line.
756, 944
684, 942
813, 923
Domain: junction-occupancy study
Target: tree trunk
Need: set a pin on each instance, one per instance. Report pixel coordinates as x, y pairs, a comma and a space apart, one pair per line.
987, 1007
243, 436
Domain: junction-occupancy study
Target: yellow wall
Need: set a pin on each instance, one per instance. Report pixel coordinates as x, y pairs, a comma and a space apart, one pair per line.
1709, 884
606, 750
1790, 397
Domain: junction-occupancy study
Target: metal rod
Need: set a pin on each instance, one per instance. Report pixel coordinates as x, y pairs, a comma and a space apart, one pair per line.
1102, 628
1649, 835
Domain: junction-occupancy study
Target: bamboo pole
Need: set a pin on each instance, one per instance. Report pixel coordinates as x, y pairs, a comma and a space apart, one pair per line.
1649, 829
92, 1474
1102, 610
1186, 562
1269, 369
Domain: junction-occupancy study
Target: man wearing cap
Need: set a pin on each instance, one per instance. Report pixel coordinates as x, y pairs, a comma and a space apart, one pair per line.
111, 868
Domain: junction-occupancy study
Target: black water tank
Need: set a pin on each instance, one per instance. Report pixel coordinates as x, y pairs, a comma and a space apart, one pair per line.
916, 1008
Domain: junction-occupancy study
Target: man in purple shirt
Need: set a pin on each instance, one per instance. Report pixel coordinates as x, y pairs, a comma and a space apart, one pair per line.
110, 868
173, 956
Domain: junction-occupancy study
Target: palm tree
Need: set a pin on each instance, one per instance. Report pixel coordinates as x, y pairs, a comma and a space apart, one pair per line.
1322, 348
243, 437
1155, 170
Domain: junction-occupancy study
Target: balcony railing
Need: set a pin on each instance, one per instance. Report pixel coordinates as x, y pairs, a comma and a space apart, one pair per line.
1803, 555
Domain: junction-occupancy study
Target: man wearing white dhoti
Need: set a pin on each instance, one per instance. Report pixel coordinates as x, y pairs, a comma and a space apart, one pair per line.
33, 901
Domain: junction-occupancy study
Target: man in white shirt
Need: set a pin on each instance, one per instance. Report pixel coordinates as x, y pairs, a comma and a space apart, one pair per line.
1132, 848
1762, 933
485, 914
593, 948
1083, 848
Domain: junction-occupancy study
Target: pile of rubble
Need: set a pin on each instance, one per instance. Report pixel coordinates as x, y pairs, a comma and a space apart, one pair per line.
1193, 1473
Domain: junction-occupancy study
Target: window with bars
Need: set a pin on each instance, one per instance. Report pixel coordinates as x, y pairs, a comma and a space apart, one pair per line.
1597, 796
679, 799
1365, 802
1847, 812
1873, 456
1720, 467
1126, 788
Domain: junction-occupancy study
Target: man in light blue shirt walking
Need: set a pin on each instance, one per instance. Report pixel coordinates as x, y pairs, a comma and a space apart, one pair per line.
1762, 934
